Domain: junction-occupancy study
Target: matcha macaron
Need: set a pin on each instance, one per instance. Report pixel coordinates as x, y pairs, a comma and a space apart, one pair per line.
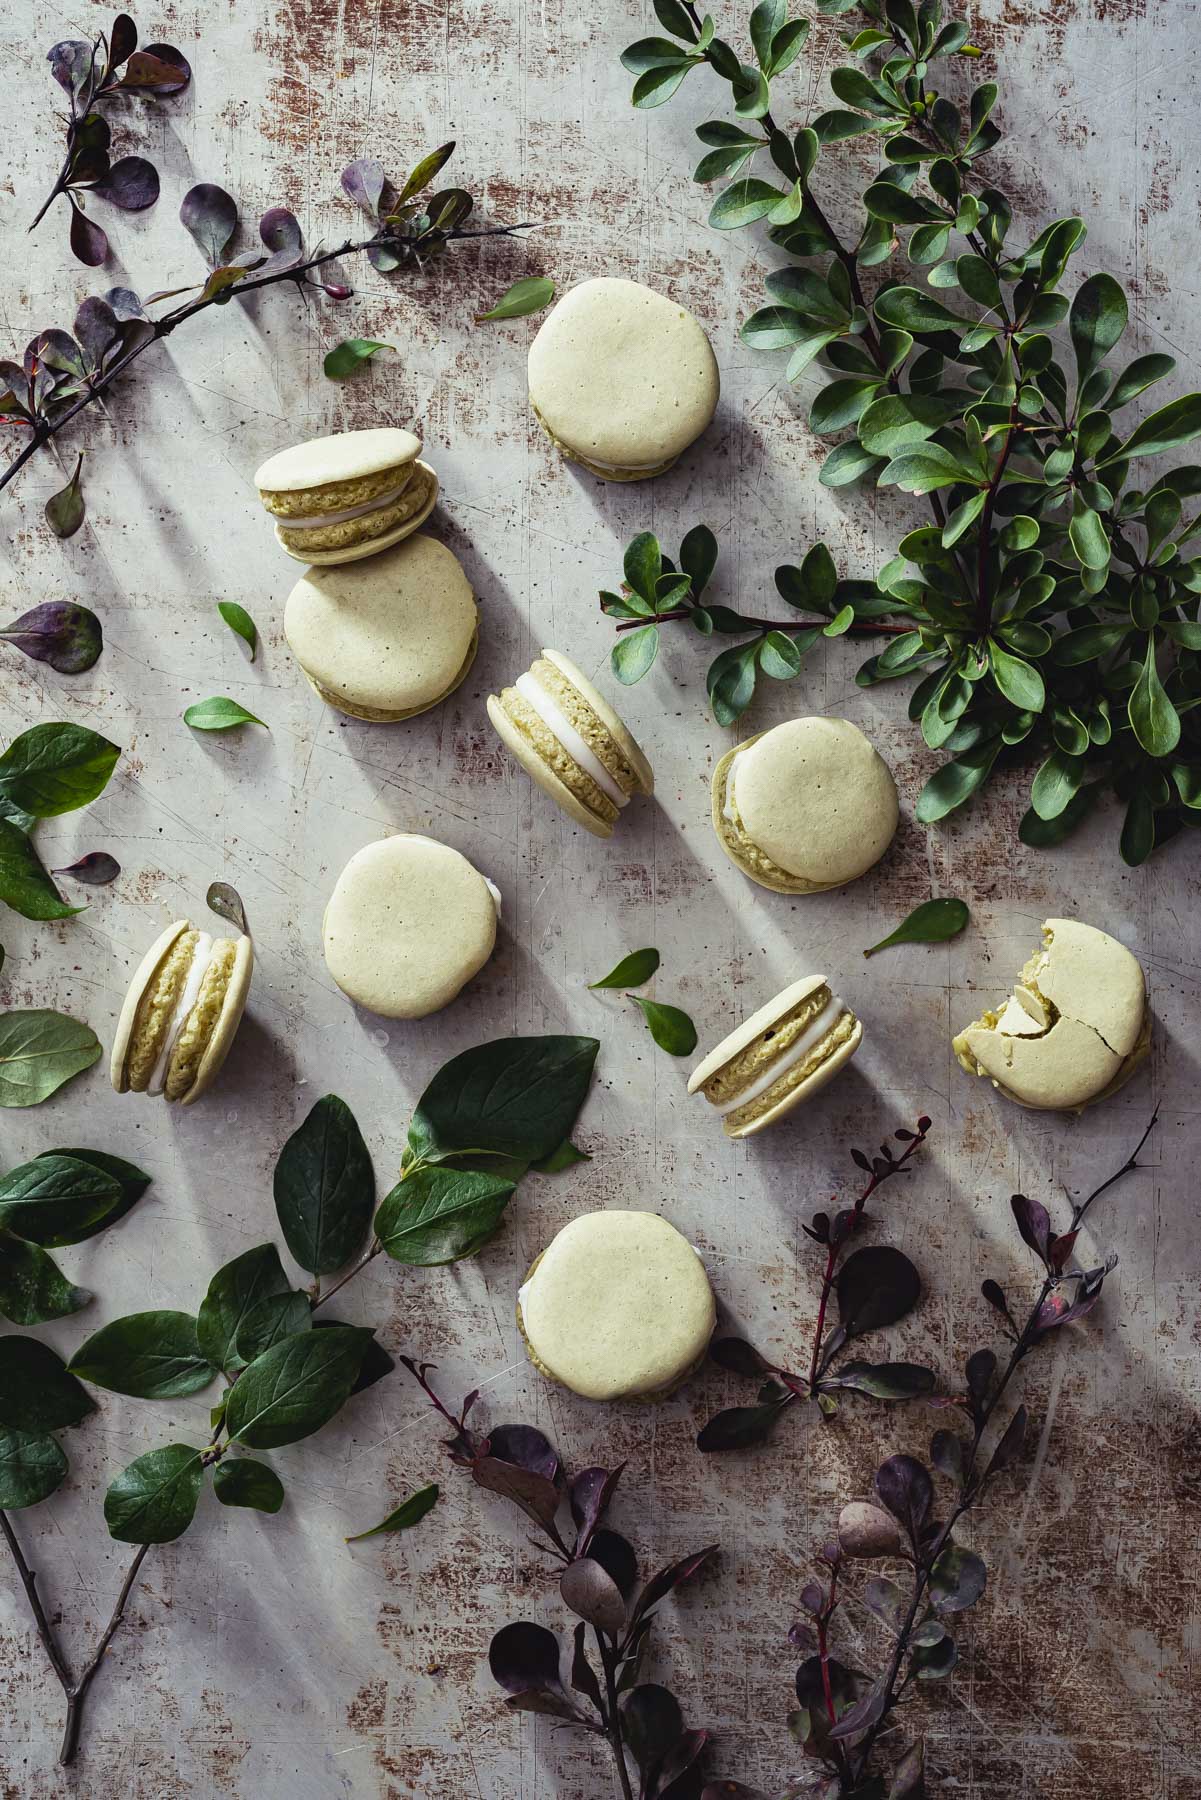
181, 1013
1075, 1028
618, 1306
339, 498
409, 922
386, 638
807, 806
782, 1055
622, 379
568, 738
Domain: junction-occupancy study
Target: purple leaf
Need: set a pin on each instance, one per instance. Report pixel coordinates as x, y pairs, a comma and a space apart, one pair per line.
876, 1286
909, 1776
210, 216
88, 243
131, 183
739, 1427
58, 632
802, 1637
583, 1675
1009, 1446
1060, 1249
886, 1602
365, 182
590, 1494
524, 1656
525, 1447
933, 1662
884, 1381
71, 64
97, 329
537, 1497
58, 350
980, 1368
653, 1725
660, 1585
446, 212
280, 230
122, 40
678, 1774
95, 870
739, 1357
957, 1579
1034, 1224
867, 1530
551, 1701
124, 303
995, 1295
813, 1597
65, 510
946, 1453
592, 1594
158, 69
863, 1715
615, 1555
904, 1485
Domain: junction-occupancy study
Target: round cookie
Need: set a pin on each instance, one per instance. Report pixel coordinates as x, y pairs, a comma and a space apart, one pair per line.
409, 922
1075, 1028
618, 1306
779, 1057
568, 738
339, 498
805, 807
622, 379
386, 638
181, 1013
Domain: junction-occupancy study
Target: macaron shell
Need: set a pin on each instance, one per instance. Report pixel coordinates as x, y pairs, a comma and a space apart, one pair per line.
139, 982
319, 559
233, 1005
391, 634
342, 456
782, 884
817, 799
544, 777
613, 723
804, 1090
622, 375
1092, 977
409, 922
746, 1033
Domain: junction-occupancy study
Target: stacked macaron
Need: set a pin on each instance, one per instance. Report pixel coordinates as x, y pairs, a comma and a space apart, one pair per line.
779, 1057
343, 497
569, 739
621, 379
183, 1007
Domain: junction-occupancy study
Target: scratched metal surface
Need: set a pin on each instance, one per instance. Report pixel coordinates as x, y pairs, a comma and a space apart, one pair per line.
262, 1657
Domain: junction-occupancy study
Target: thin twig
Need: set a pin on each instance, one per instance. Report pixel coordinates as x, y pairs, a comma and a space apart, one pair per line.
29, 1583
77, 1694
613, 1717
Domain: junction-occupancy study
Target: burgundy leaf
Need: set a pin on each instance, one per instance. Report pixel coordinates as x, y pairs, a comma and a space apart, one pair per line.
904, 1485
1061, 1249
158, 69
678, 1772
957, 1579
58, 632
653, 1725
590, 1494
946, 1453
1034, 1224
523, 1446
524, 1656
1009, 1448
95, 870
615, 1554
553, 1702
739, 1357
58, 350
122, 40
876, 1286
365, 182
583, 1675
210, 216
124, 303
863, 1715
537, 1497
731, 1790
738, 1427
802, 1637
592, 1594
980, 1368
886, 1602
909, 1776
71, 64
813, 1597
131, 183
97, 328
660, 1585
995, 1295
866, 1530
88, 242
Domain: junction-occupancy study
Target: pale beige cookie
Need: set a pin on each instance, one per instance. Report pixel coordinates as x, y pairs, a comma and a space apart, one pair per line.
409, 922
1075, 1028
618, 1306
807, 806
622, 379
388, 637
566, 736
180, 1015
782, 1055
336, 499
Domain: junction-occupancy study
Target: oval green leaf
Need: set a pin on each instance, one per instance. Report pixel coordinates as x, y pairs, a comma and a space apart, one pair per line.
350, 355
241, 1481
31, 1467
296, 1387
933, 922
39, 1051
438, 1215
239, 622
154, 1500
219, 713
403, 1517
152, 1355
671, 1028
634, 970
529, 295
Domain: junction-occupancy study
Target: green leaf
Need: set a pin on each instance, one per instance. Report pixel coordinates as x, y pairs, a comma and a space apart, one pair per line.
716, 164
39, 1051
350, 355
37, 1390
933, 922
64, 511
1044, 834
517, 1097
1154, 719
152, 1355
232, 1292
953, 784
241, 1481
1089, 642
742, 203
439, 1215
885, 200
909, 309
634, 970
1098, 318
53, 769
529, 295
658, 85
1142, 373
961, 520
219, 713
24, 883
805, 292
31, 1467
730, 682
671, 1028
841, 403
296, 1387
566, 1156
633, 653
806, 350
896, 420
1138, 829
642, 565
239, 622
325, 1188
848, 463
1177, 423
56, 1199
1018, 680
153, 1501
779, 656
923, 470
698, 558
274, 1317
32, 1286
1089, 540
409, 1513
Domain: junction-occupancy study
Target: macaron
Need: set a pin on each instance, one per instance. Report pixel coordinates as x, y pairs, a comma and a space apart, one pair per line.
183, 1007
409, 922
778, 1057
568, 738
807, 806
622, 379
617, 1307
338, 498
1075, 1028
387, 638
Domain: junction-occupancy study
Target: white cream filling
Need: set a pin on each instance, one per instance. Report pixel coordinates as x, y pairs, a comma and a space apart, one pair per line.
495, 893
727, 805
557, 722
796, 1053
347, 512
202, 955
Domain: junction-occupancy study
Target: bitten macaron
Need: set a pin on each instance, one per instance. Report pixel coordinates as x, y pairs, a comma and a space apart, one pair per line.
622, 379
181, 1013
409, 922
339, 498
782, 1055
387, 638
569, 739
617, 1307
1075, 1028
806, 806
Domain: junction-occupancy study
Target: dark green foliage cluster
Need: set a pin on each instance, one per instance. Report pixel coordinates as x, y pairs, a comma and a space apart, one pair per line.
1052, 599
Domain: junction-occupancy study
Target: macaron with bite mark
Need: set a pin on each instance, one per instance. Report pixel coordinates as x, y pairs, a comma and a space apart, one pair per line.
778, 1058
181, 1013
339, 498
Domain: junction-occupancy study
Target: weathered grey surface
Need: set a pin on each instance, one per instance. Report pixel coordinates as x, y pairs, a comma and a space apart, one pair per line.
263, 1658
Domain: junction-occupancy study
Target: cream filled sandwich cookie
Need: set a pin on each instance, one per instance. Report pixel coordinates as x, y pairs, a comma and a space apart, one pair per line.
622, 379
568, 738
1075, 1028
807, 806
339, 498
617, 1307
181, 1013
387, 638
409, 922
782, 1055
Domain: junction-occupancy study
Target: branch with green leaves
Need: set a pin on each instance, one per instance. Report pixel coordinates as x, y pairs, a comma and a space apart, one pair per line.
1053, 604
